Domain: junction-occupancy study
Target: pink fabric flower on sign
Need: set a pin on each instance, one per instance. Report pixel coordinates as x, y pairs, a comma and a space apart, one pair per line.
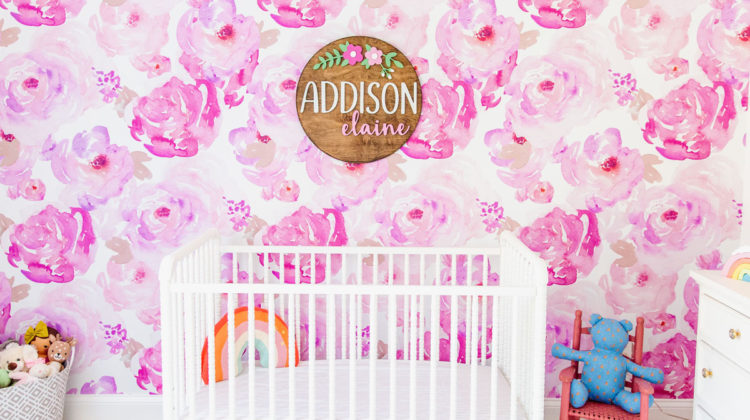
53, 246
691, 121
555, 14
353, 54
569, 243
374, 56
42, 12
176, 119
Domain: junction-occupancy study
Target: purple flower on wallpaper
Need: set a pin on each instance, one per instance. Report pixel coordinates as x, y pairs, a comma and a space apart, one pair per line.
53, 246
115, 336
218, 44
568, 242
135, 28
147, 370
398, 20
676, 357
132, 286
602, 171
492, 215
625, 289
176, 119
301, 13
41, 89
42, 12
94, 169
723, 38
60, 306
650, 33
345, 184
166, 214
239, 212
303, 227
625, 86
445, 123
520, 163
109, 84
105, 385
550, 95
479, 47
691, 121
265, 161
556, 14
6, 298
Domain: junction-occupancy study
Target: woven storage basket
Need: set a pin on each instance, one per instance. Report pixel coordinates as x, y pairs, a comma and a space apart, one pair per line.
43, 399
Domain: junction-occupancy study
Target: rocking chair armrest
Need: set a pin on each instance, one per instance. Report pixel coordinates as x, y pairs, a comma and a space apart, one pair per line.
644, 387
567, 375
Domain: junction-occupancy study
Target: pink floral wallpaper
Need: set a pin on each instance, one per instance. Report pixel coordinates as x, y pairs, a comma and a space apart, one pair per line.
606, 135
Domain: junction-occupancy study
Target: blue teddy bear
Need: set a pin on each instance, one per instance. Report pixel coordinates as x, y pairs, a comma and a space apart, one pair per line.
604, 367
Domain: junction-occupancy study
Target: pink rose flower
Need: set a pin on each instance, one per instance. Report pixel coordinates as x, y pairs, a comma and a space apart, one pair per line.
147, 371
30, 189
104, 385
94, 169
345, 184
133, 28
650, 32
303, 227
446, 121
42, 12
53, 246
6, 298
132, 286
659, 322
374, 56
676, 357
403, 21
153, 65
218, 44
478, 47
671, 68
602, 171
691, 121
302, 13
723, 38
557, 14
166, 214
520, 163
353, 54
264, 160
568, 242
176, 119
625, 288
62, 306
287, 191
691, 295
45, 87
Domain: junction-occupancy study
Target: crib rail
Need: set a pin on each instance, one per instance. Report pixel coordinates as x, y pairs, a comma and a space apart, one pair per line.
355, 305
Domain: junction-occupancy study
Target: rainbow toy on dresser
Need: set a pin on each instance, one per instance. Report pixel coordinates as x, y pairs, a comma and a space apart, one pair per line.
263, 344
738, 267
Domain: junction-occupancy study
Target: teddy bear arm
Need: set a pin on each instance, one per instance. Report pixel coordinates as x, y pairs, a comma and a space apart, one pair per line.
563, 352
649, 374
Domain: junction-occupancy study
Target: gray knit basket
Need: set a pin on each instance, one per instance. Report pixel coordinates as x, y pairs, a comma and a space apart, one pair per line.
43, 399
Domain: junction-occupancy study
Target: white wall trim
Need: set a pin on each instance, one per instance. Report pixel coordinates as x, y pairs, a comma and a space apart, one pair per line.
681, 408
112, 407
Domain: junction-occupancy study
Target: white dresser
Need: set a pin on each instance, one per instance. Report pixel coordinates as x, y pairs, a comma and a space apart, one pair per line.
722, 366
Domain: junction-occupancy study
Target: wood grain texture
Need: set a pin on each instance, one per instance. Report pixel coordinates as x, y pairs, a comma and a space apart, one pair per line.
324, 130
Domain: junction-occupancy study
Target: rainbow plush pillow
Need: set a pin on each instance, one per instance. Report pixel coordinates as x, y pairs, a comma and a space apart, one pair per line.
738, 267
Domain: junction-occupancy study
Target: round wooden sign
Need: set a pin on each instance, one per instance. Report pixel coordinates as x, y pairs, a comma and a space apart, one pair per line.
359, 99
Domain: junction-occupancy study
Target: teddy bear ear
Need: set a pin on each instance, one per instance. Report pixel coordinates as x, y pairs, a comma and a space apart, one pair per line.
595, 318
11, 345
626, 324
29, 352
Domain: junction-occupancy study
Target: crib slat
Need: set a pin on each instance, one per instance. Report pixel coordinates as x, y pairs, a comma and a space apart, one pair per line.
467, 316
434, 354
331, 342
483, 328
405, 309
392, 343
454, 342
231, 361
211, 356
413, 359
290, 356
420, 314
352, 357
359, 308
272, 356
515, 344
251, 339
312, 339
178, 308
373, 337
473, 347
495, 356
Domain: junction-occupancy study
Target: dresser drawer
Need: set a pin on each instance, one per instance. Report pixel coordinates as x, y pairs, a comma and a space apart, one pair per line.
701, 414
718, 383
718, 324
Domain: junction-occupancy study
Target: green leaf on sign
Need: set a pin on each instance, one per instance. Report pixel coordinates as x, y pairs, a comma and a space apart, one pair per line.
366, 63
343, 47
329, 55
316, 66
344, 63
398, 64
367, 47
387, 61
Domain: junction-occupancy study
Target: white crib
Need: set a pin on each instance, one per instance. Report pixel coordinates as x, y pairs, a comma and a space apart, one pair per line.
409, 332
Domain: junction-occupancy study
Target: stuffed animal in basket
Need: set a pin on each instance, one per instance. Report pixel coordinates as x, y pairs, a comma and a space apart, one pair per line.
22, 363
4, 378
604, 367
58, 353
41, 337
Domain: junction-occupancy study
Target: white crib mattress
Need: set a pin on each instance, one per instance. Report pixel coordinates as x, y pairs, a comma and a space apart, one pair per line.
342, 392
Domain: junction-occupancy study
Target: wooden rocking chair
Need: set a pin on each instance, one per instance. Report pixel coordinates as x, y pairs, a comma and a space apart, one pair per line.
597, 410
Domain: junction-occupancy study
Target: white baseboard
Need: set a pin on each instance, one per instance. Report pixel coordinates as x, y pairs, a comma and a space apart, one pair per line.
680, 408
112, 407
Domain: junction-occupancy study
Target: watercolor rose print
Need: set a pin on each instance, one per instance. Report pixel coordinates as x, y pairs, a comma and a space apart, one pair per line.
605, 135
